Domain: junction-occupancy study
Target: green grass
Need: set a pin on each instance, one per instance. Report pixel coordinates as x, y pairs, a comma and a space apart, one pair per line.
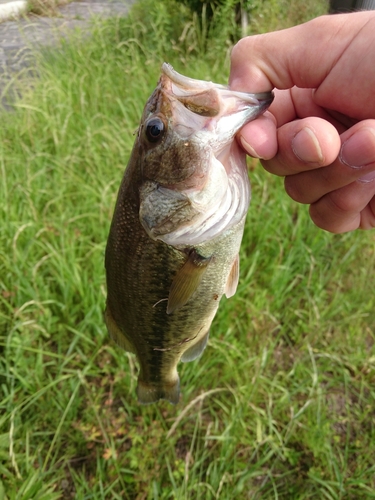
46, 7
280, 405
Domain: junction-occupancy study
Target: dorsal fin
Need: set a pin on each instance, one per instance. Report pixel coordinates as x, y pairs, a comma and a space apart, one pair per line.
187, 280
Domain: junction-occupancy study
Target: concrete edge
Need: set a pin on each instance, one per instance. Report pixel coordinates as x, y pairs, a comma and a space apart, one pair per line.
12, 10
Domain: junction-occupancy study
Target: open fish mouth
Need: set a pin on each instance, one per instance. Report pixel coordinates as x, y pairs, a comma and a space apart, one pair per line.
215, 107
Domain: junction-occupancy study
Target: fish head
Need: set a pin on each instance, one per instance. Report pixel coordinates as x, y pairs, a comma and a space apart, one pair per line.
185, 119
191, 164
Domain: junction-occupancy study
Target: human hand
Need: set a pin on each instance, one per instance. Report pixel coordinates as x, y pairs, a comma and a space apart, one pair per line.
320, 130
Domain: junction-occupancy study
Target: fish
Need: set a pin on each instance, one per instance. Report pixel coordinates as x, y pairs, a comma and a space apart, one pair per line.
173, 245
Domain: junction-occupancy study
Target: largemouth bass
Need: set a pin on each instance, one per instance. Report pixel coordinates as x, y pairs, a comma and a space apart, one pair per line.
172, 250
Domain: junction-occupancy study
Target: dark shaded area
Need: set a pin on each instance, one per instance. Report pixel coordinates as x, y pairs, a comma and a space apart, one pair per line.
339, 6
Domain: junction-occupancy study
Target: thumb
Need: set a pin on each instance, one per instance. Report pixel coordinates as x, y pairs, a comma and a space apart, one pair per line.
303, 55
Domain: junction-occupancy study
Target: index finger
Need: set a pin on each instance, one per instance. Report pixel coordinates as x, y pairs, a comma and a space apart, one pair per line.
295, 56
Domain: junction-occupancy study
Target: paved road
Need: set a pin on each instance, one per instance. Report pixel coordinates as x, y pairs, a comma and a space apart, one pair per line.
18, 38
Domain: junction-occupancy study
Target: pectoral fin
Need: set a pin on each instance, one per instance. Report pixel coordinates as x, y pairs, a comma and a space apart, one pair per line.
232, 281
187, 280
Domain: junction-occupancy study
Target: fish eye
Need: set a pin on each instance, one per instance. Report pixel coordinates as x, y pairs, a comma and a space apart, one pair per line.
155, 129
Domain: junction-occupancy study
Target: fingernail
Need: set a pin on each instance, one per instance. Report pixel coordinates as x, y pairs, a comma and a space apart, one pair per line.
368, 177
249, 149
359, 150
306, 146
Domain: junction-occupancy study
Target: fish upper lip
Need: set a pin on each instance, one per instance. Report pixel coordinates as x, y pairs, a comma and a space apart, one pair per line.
185, 81
189, 87
207, 99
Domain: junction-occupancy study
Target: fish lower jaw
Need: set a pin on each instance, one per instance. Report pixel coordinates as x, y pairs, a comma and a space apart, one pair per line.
151, 393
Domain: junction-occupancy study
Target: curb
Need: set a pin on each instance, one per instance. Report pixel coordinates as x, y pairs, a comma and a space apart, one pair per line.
12, 10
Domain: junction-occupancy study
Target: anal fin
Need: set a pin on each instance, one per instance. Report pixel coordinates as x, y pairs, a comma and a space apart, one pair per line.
233, 278
195, 350
187, 280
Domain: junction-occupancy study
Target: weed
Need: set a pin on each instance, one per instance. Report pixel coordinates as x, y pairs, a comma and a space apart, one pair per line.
46, 7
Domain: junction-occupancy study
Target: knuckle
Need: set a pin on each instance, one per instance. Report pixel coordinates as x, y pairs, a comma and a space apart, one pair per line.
321, 221
342, 203
294, 191
335, 217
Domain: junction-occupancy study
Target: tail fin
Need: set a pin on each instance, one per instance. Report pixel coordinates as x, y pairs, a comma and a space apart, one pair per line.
148, 393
